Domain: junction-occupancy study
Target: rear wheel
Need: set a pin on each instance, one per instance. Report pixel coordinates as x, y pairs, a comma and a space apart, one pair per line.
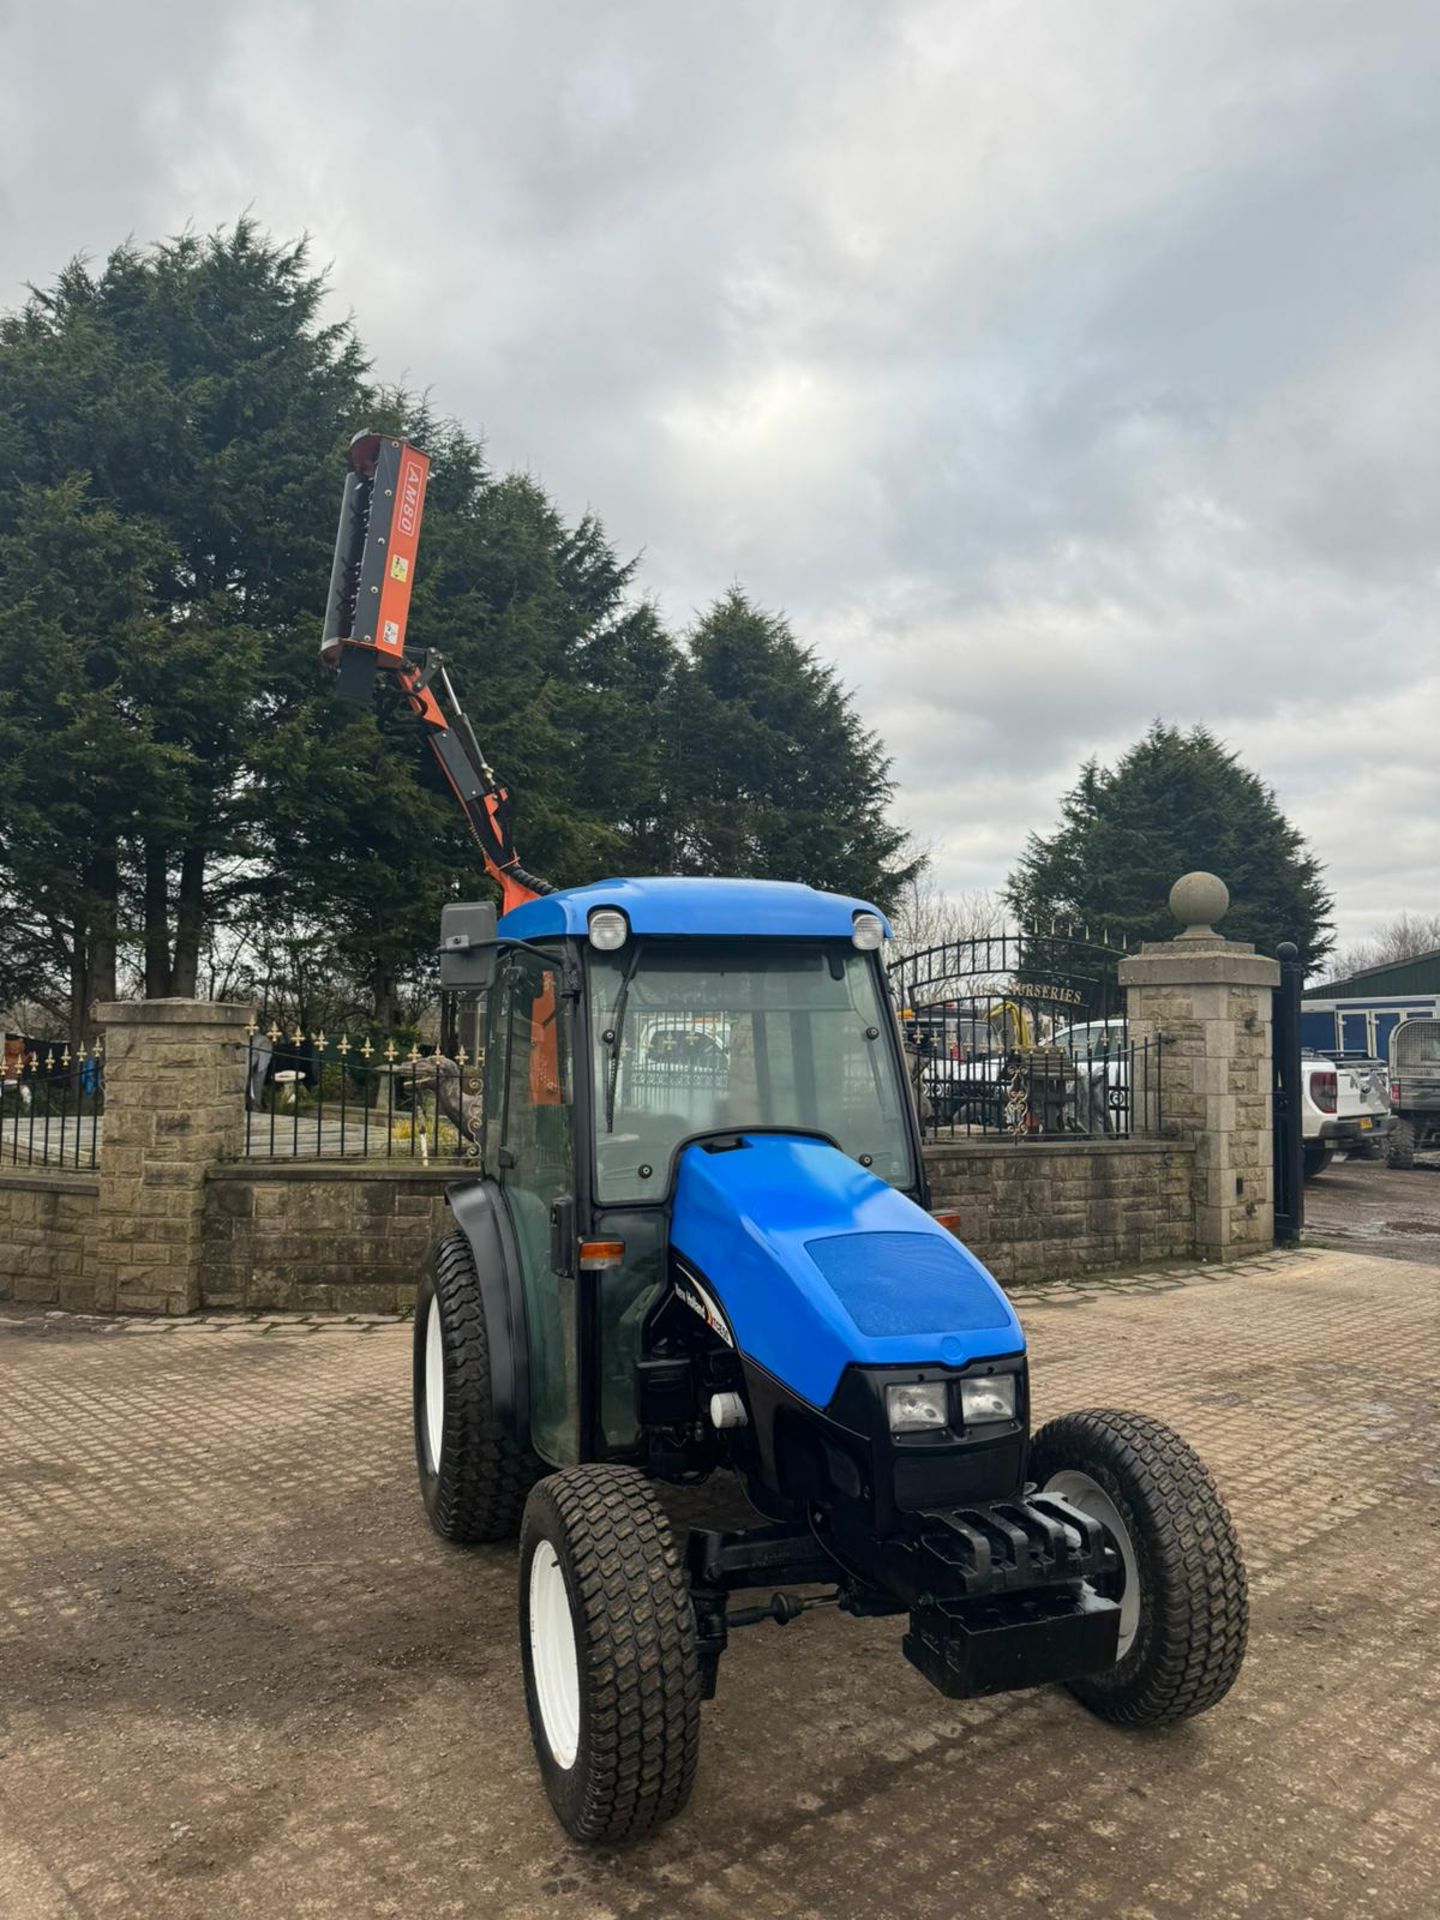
1316, 1160
473, 1476
1184, 1609
1400, 1147
607, 1633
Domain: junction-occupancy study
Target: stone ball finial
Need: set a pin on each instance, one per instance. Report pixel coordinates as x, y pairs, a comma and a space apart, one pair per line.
1197, 901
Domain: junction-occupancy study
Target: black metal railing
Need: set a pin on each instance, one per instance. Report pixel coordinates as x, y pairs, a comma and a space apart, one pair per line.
1046, 1090
315, 1096
1023, 1034
52, 1103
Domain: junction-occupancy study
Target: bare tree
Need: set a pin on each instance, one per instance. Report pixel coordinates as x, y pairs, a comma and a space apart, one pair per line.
926, 916
1404, 938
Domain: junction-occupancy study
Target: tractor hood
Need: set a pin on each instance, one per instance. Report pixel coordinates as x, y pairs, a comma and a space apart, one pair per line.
819, 1265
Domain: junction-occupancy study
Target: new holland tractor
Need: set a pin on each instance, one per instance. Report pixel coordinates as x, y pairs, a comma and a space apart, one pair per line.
699, 1241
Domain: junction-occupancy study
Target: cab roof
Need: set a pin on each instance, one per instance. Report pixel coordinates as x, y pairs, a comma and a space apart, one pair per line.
676, 906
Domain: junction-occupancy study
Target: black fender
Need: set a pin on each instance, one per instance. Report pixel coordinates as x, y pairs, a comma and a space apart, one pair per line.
479, 1213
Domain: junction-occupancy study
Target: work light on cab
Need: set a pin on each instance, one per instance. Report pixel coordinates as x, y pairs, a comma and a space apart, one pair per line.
609, 929
869, 932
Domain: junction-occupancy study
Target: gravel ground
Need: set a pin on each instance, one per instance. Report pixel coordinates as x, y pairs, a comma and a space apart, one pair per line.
240, 1677
1362, 1205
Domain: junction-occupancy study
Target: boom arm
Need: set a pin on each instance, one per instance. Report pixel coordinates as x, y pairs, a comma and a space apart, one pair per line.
365, 621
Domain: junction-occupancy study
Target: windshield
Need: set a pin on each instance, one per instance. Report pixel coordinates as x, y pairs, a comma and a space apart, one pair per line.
693, 1036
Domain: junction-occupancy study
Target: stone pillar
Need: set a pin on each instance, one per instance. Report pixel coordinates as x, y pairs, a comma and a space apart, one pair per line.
174, 1103
1208, 999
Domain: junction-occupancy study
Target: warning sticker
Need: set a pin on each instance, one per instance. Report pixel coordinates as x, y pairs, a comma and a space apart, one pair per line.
399, 568
391, 633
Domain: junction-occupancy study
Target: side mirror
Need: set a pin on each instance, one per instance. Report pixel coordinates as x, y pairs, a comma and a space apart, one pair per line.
468, 952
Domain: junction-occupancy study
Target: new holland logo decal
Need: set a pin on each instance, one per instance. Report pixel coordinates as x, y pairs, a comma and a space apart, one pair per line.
700, 1300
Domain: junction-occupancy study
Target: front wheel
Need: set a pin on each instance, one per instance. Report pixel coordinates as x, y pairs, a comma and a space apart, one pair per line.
1184, 1607
607, 1635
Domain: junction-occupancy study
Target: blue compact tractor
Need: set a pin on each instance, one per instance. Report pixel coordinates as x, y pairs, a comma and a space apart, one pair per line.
699, 1240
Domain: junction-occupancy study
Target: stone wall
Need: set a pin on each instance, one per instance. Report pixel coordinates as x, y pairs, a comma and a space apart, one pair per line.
351, 1239
319, 1236
46, 1224
1037, 1210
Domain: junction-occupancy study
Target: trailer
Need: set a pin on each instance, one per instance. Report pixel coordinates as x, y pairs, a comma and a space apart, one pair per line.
1360, 1027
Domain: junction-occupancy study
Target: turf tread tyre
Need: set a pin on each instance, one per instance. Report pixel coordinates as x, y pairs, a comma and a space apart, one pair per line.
479, 1492
1194, 1613
640, 1684
1400, 1147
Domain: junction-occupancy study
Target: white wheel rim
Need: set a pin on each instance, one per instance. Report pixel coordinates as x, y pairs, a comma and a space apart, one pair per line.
1091, 1498
434, 1386
553, 1661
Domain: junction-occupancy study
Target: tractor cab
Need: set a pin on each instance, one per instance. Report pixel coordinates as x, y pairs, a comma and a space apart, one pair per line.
635, 1031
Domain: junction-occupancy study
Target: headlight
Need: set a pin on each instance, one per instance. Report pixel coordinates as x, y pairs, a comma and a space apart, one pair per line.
913, 1407
869, 932
609, 929
989, 1397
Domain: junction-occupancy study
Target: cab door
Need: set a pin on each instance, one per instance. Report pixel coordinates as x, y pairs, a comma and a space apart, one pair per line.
534, 1161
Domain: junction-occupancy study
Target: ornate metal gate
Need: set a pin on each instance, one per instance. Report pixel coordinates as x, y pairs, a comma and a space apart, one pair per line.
1024, 1033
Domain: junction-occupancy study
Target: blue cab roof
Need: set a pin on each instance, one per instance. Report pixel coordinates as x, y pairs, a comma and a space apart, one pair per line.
677, 906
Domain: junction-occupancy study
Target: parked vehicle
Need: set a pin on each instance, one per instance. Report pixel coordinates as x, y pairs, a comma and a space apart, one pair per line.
744, 1275
970, 1092
1414, 1090
1344, 1103
1101, 1052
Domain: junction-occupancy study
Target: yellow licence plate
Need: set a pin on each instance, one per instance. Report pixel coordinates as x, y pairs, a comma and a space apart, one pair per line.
1366, 1123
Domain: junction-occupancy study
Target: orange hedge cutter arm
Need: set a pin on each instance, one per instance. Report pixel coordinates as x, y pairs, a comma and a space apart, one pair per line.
365, 622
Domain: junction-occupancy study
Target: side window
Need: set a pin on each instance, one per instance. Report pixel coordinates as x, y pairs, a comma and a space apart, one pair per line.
535, 1121
534, 1158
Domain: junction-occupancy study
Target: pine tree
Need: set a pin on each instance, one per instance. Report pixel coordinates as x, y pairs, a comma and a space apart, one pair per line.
193, 392
771, 772
1174, 802
78, 757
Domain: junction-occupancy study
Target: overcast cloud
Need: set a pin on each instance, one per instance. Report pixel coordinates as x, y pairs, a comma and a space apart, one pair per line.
1053, 366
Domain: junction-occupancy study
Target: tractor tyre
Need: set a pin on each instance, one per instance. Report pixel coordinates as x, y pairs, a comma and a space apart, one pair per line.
608, 1639
1400, 1147
1317, 1159
1184, 1605
473, 1475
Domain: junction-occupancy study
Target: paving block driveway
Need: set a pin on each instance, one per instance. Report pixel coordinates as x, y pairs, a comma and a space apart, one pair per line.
239, 1676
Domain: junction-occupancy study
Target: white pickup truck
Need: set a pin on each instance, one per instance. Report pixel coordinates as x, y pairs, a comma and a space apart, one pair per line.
1344, 1103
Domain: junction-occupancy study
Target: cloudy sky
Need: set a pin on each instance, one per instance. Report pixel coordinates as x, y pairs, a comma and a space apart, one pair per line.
1053, 365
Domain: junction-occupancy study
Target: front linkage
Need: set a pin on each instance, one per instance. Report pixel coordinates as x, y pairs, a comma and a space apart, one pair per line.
1008, 1595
